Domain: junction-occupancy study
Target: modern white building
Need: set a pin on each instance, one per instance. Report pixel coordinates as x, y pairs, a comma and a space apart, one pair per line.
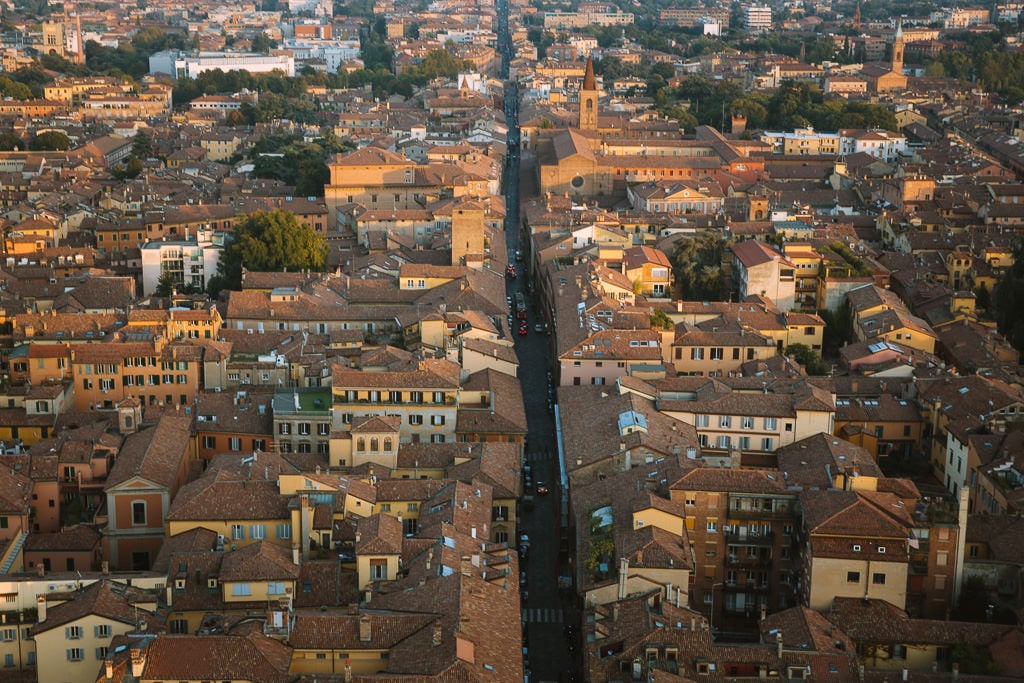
332, 53
190, 261
757, 18
191, 64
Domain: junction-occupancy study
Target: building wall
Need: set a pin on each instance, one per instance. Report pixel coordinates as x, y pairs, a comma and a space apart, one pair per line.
55, 665
829, 580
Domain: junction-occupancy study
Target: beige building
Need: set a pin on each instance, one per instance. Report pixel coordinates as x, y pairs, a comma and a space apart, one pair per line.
75, 629
855, 545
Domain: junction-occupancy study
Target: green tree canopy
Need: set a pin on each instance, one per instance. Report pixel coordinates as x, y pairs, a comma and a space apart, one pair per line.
269, 241
51, 140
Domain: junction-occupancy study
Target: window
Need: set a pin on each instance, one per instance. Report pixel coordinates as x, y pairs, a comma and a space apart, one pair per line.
323, 429
697, 353
691, 501
7, 635
241, 589
257, 532
702, 420
283, 531
304, 428
8, 661
237, 532
437, 420
747, 423
284, 428
209, 442
725, 421
75, 654
717, 353
378, 570
767, 443
771, 423
138, 513
73, 632
878, 579
275, 588
415, 419
787, 529
102, 631
852, 577
723, 441
856, 547
712, 527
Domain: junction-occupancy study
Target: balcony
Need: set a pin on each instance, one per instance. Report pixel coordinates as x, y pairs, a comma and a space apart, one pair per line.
777, 510
744, 537
748, 563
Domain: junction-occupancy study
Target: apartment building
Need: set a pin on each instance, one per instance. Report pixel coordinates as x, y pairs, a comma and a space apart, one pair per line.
854, 544
757, 18
717, 348
760, 270
155, 372
426, 399
746, 415
302, 420
606, 355
250, 427
75, 629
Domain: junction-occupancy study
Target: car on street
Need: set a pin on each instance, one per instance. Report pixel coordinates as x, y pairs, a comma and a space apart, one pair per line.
524, 329
542, 488
538, 328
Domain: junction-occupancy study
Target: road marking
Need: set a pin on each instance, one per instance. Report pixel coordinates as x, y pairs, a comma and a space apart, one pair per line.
542, 615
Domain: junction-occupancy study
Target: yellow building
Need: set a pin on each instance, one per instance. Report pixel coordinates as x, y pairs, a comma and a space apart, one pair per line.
856, 546
75, 629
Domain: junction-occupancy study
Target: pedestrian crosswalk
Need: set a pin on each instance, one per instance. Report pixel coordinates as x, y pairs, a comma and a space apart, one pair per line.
542, 615
540, 456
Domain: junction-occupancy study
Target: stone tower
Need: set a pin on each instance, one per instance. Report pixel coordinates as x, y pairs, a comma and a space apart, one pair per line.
588, 98
897, 48
467, 232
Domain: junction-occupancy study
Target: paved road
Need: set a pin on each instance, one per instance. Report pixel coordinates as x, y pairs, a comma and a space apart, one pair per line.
545, 616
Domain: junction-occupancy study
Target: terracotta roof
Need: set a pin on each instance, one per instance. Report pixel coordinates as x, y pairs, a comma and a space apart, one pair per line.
105, 599
154, 454
260, 561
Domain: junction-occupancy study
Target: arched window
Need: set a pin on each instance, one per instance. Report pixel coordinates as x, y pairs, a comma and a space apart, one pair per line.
361, 444
374, 444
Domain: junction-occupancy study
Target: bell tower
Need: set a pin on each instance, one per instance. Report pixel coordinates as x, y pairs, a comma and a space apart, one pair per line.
588, 98
897, 48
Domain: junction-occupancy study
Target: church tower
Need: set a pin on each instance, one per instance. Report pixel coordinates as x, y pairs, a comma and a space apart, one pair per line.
897, 48
588, 98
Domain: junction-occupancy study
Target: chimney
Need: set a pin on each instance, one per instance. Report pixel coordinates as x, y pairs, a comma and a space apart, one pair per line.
41, 608
693, 624
623, 577
436, 640
348, 672
364, 628
108, 668
138, 662
169, 590
615, 612
778, 643
764, 611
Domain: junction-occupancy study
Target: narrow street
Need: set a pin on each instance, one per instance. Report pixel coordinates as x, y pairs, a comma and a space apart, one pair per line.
550, 622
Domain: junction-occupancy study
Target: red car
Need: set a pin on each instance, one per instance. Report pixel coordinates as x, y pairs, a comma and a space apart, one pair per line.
542, 488
524, 329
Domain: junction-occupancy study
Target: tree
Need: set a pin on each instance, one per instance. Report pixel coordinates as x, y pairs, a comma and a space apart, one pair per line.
269, 241
660, 320
838, 328
982, 297
130, 168
807, 357
697, 264
166, 284
9, 141
50, 140
142, 145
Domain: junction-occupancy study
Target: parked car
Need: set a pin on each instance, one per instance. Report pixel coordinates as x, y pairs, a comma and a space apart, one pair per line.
542, 488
